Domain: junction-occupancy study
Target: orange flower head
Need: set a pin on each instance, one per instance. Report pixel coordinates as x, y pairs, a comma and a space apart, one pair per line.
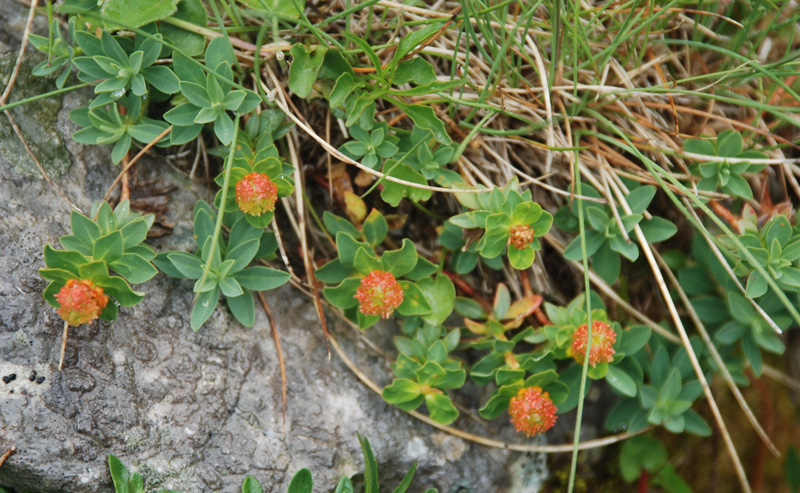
603, 339
81, 301
256, 194
520, 236
532, 411
379, 294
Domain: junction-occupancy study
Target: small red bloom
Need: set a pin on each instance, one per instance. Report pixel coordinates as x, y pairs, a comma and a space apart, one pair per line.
532, 411
603, 339
520, 236
379, 294
81, 301
256, 194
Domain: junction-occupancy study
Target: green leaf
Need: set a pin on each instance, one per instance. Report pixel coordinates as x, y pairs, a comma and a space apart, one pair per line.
345, 486
658, 229
671, 387
204, 306
425, 118
242, 254
541, 379
119, 474
572, 377
375, 228
406, 482
370, 467
414, 302
469, 308
84, 228
59, 275
301, 482
250, 484
696, 146
187, 264
401, 391
393, 192
639, 198
417, 70
441, 408
335, 224
335, 64
498, 402
342, 296
230, 287
219, 51
191, 44
134, 268
243, 308
729, 144
345, 84
67, 260
423, 269
260, 278
696, 425
441, 294
634, 339
347, 247
137, 13
334, 272
521, 259
738, 186
792, 469
304, 69
366, 263
108, 247
606, 263
638, 453
134, 233
621, 381
756, 285
627, 248
402, 261
598, 219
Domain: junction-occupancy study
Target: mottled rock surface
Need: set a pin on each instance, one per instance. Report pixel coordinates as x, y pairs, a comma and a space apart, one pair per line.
190, 411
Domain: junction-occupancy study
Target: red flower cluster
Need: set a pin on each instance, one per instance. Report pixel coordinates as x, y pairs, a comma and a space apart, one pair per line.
379, 294
520, 236
603, 339
256, 194
532, 411
81, 301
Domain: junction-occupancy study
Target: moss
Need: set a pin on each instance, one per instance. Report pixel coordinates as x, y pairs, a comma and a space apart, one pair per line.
37, 121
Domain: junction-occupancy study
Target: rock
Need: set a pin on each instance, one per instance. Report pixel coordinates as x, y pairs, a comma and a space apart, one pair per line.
190, 411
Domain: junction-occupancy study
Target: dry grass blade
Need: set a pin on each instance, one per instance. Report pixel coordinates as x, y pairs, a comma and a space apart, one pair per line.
133, 161
63, 345
279, 349
6, 455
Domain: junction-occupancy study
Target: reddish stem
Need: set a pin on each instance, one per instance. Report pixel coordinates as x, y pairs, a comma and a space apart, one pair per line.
724, 213
643, 480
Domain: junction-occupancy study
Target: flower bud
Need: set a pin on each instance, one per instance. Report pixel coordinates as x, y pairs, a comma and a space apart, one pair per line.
256, 194
81, 301
379, 294
520, 236
532, 411
603, 339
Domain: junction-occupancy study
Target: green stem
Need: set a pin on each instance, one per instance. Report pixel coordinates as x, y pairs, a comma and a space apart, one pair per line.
32, 99
222, 202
